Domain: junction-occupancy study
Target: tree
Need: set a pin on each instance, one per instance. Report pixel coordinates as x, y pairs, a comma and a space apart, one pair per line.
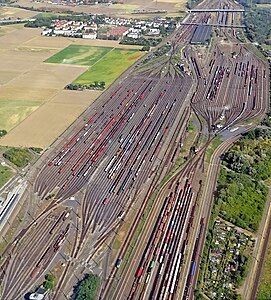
50, 282
145, 48
2, 132
87, 288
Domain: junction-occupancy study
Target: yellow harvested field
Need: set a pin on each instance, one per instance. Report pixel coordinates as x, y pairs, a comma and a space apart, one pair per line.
17, 37
41, 83
13, 92
6, 75
117, 10
179, 4
42, 127
52, 43
82, 98
14, 13
8, 28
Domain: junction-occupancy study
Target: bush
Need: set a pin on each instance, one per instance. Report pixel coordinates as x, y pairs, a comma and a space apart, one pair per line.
145, 48
50, 282
96, 85
151, 42
87, 288
37, 150
2, 132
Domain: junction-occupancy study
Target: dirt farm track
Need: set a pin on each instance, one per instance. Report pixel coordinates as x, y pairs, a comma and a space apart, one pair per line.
34, 107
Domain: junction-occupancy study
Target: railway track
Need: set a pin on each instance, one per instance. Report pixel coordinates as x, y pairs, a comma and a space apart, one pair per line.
120, 149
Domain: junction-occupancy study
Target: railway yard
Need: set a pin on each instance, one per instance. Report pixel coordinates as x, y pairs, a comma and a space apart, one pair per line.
112, 162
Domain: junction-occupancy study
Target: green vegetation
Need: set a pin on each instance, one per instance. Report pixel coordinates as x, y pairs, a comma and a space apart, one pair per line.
110, 67
79, 55
152, 42
92, 86
242, 199
36, 150
87, 288
211, 148
265, 283
2, 132
146, 48
106, 64
249, 3
41, 20
258, 25
49, 282
267, 120
45, 19
50, 196
226, 260
5, 175
251, 155
241, 191
20, 157
157, 53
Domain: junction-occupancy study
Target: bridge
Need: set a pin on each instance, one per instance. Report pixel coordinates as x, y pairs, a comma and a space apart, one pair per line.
214, 25
233, 10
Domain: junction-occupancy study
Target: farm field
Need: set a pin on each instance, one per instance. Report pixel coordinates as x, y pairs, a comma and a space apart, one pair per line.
14, 13
105, 63
110, 67
34, 107
13, 112
6, 29
126, 9
58, 43
79, 55
50, 120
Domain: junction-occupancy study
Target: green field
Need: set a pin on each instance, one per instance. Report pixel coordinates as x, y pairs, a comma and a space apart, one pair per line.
13, 112
110, 67
5, 175
265, 283
105, 63
20, 157
79, 55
